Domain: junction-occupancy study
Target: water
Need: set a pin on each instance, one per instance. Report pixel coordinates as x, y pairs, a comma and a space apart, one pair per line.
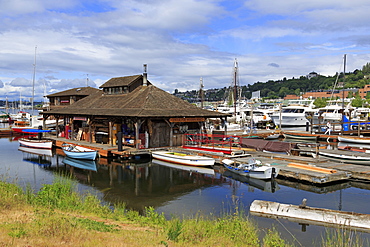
174, 192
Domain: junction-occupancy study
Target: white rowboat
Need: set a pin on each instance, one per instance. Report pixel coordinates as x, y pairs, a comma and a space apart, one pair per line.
362, 140
253, 169
36, 143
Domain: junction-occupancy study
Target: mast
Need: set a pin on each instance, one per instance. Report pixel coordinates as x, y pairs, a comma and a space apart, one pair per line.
201, 94
33, 80
235, 84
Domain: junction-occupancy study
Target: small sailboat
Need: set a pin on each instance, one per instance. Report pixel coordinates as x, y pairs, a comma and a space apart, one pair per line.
79, 152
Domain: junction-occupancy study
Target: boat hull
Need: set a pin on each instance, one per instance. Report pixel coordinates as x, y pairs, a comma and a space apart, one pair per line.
31, 143
261, 172
78, 152
354, 139
183, 159
300, 137
290, 120
361, 159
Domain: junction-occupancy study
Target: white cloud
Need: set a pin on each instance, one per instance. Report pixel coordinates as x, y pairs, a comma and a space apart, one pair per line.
180, 41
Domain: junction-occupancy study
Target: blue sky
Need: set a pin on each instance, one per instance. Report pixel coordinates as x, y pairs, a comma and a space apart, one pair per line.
180, 40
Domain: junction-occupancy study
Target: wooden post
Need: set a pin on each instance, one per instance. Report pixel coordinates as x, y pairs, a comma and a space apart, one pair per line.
57, 126
171, 131
90, 134
137, 129
110, 138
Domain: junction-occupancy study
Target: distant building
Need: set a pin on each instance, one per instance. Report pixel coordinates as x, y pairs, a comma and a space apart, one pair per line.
312, 75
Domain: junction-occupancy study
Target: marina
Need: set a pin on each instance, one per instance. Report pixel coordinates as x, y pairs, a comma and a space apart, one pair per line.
182, 190
159, 151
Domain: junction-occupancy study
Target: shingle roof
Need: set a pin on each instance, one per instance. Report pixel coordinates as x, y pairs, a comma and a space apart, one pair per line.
121, 81
75, 91
144, 101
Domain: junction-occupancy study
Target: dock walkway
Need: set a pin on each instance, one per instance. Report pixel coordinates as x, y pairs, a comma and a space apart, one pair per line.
319, 171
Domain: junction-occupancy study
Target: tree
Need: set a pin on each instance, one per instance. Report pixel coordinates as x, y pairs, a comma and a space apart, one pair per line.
320, 102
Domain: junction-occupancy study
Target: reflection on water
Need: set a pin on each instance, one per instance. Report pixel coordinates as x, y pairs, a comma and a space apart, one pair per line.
181, 191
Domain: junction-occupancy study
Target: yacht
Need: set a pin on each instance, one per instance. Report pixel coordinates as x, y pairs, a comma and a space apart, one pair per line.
334, 111
294, 114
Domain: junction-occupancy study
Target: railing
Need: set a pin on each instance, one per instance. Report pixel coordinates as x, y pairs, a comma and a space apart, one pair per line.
212, 142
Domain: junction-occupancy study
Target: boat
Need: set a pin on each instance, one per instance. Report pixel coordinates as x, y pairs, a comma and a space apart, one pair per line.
294, 114
300, 136
253, 169
346, 156
36, 143
360, 140
195, 169
81, 164
183, 158
363, 148
272, 136
79, 152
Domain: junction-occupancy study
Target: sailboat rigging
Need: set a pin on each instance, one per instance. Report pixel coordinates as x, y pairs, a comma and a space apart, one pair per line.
33, 80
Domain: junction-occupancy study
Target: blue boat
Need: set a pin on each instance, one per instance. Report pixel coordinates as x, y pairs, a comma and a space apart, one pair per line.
79, 152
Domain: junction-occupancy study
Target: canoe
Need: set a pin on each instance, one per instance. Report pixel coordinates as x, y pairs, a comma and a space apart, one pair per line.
362, 140
79, 152
346, 156
183, 158
36, 143
253, 169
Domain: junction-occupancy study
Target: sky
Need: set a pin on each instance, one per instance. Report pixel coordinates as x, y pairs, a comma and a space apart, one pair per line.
75, 43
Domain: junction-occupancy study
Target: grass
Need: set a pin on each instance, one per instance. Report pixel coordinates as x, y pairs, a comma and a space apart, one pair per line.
57, 215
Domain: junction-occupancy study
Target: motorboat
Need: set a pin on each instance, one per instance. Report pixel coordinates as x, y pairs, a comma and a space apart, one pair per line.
253, 169
183, 158
294, 114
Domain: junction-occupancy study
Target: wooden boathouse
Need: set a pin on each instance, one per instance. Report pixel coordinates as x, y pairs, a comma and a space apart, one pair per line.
133, 109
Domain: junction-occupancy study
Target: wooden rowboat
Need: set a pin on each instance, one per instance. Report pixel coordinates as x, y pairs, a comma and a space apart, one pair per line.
362, 140
79, 152
183, 158
346, 156
36, 143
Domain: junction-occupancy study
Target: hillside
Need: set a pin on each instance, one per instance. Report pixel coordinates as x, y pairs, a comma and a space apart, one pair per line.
280, 88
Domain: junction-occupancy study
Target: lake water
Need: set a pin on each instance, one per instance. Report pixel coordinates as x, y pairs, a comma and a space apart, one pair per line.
175, 192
